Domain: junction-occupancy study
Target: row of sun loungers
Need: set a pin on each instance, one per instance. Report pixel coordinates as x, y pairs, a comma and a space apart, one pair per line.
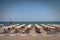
31, 29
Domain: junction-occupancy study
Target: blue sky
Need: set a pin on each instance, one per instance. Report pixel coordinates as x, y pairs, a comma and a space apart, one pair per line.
41, 10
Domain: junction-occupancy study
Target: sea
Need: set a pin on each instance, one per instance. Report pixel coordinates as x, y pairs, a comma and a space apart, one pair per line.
7, 23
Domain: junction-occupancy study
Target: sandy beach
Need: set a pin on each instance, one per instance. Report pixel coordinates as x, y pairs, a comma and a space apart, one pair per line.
31, 32
30, 37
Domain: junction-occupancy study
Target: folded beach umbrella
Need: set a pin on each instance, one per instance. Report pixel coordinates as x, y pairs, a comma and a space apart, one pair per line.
38, 26
18, 27
17, 24
43, 24
13, 25
6, 28
57, 26
9, 26
48, 24
29, 26
52, 27
22, 25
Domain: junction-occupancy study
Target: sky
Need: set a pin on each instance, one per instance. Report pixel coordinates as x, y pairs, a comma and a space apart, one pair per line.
30, 10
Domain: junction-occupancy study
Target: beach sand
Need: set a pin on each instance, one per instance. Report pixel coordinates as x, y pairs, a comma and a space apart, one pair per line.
39, 37
30, 37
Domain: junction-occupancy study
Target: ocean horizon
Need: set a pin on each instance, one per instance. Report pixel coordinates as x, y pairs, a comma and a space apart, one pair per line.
31, 22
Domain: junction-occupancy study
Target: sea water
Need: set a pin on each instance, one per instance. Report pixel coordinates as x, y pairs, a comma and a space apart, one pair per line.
7, 23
